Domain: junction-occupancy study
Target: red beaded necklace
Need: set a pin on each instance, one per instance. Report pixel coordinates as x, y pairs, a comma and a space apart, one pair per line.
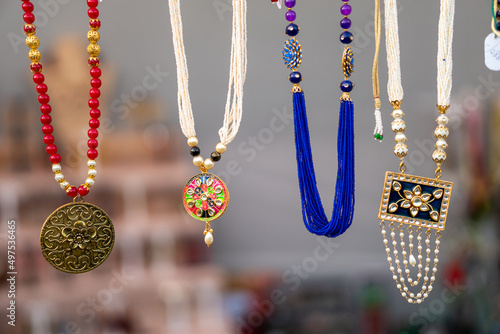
78, 236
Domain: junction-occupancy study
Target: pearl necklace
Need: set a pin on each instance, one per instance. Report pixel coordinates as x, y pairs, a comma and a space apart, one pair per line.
205, 195
78, 236
410, 201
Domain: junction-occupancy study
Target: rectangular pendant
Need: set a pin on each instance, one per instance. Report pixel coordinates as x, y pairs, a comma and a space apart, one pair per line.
415, 200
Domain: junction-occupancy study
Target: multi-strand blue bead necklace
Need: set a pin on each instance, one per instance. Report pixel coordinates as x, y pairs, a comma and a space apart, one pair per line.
313, 212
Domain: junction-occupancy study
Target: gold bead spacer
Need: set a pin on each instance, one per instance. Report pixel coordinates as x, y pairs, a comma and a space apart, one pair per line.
32, 41
35, 55
442, 109
93, 36
296, 88
94, 50
396, 104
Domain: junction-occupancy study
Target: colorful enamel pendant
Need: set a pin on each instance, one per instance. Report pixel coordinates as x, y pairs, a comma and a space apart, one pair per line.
205, 198
77, 237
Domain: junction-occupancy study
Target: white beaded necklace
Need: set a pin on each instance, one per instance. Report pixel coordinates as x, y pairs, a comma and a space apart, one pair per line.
205, 195
413, 201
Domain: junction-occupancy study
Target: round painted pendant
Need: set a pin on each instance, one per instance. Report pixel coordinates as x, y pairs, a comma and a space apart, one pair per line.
77, 237
205, 197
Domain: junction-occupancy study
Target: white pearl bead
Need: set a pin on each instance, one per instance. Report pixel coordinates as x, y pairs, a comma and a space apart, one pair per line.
434, 270
89, 182
91, 163
405, 289
419, 247
401, 235
441, 144
410, 280
426, 278
402, 279
426, 295
389, 258
385, 241
433, 279
400, 270
209, 239
436, 251
209, 164
427, 260
56, 168
192, 141
398, 286
441, 132
391, 268
393, 234
384, 232
419, 301
430, 288
410, 301
394, 243
64, 185
398, 114
419, 275
410, 236
394, 277
428, 250
398, 125
402, 244
436, 260
419, 266
427, 241
220, 148
412, 260
387, 249
198, 161
397, 261
395, 252
419, 238
59, 177
412, 295
419, 257
424, 288
403, 294
404, 253
407, 271
442, 120
92, 172
419, 295
438, 242
400, 138
405, 262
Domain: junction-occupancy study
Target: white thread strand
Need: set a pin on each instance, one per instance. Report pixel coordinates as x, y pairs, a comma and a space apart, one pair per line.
444, 57
237, 73
394, 87
378, 123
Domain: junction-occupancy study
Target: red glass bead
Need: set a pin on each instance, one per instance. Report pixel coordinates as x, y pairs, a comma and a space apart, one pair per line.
95, 93
93, 13
45, 109
35, 67
94, 123
38, 78
43, 98
47, 129
83, 190
29, 18
96, 83
95, 72
29, 29
95, 113
51, 149
92, 3
28, 7
48, 139
41, 88
95, 23
72, 191
92, 154
92, 143
94, 103
55, 158
93, 133
45, 119
94, 61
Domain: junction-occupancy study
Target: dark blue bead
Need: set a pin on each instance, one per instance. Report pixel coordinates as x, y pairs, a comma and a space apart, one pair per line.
498, 25
195, 151
346, 86
292, 29
295, 77
346, 37
498, 15
345, 23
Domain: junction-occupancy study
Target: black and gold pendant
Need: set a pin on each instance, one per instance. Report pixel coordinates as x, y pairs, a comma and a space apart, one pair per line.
77, 237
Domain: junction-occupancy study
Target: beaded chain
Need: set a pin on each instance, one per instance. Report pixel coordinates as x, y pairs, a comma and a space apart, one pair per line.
35, 56
292, 54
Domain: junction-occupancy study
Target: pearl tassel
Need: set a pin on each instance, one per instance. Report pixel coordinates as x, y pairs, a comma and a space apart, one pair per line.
378, 132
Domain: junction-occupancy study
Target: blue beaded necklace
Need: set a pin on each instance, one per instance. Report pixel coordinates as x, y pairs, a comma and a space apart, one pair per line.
313, 212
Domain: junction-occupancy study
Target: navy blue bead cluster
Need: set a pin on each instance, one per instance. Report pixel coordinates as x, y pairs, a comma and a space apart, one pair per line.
346, 37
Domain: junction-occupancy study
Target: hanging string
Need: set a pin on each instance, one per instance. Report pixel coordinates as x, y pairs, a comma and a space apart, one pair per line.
444, 57
343, 207
378, 132
394, 87
237, 73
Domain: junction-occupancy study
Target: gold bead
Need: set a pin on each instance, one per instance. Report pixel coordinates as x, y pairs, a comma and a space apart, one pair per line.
192, 141
93, 36
93, 50
94, 21
220, 148
401, 150
35, 55
32, 41
94, 61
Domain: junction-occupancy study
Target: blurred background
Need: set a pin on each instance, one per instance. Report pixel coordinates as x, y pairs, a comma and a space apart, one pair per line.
264, 274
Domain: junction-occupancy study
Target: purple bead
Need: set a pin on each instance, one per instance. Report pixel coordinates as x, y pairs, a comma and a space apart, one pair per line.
345, 23
345, 9
290, 15
290, 3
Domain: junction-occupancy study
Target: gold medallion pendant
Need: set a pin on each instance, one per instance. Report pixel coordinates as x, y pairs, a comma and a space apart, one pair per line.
77, 237
205, 198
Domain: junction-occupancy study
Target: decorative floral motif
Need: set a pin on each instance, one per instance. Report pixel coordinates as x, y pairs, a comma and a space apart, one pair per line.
415, 201
205, 197
292, 54
77, 237
348, 62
